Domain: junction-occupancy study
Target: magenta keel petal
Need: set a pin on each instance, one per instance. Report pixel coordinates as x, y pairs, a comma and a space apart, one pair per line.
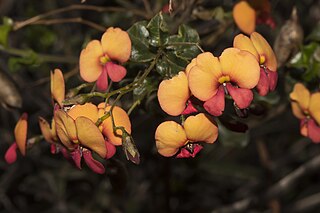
116, 72
242, 97
11, 154
93, 164
102, 82
215, 105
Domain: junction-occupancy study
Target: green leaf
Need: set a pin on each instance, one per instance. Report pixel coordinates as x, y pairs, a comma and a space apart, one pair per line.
145, 89
315, 34
232, 139
185, 44
139, 35
30, 59
5, 28
170, 65
158, 30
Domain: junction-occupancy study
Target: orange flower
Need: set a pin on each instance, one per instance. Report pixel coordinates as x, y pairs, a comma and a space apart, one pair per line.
57, 86
78, 132
172, 137
235, 73
121, 119
20, 134
99, 59
264, 54
305, 106
247, 14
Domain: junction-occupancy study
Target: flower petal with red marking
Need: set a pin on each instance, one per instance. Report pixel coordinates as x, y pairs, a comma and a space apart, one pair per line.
102, 82
215, 105
90, 136
242, 97
20, 133
170, 136
89, 63
11, 154
173, 94
313, 131
244, 16
200, 128
264, 49
241, 66
116, 72
93, 164
116, 44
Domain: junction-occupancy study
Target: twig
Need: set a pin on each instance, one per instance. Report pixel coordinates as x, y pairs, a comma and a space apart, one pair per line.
305, 204
278, 189
71, 20
21, 24
147, 7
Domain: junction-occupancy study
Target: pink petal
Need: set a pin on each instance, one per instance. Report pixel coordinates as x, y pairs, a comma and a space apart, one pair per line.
273, 79
116, 72
111, 149
185, 153
65, 153
242, 97
313, 131
189, 109
102, 82
93, 164
53, 149
215, 105
76, 156
11, 154
263, 84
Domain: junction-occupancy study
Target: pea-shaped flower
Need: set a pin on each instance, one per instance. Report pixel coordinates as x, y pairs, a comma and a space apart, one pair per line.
99, 60
172, 138
306, 107
235, 73
264, 54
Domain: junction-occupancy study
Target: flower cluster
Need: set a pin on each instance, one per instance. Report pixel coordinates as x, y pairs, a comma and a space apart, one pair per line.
305, 106
248, 13
250, 64
78, 131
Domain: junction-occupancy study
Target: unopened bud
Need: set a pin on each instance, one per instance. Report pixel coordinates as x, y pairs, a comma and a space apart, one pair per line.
130, 148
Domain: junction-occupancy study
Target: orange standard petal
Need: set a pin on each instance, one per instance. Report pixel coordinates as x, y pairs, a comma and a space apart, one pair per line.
203, 77
244, 16
121, 119
20, 133
296, 110
170, 136
89, 64
314, 108
116, 44
87, 110
90, 136
45, 130
241, 67
243, 42
199, 128
267, 56
301, 95
173, 94
57, 86
190, 65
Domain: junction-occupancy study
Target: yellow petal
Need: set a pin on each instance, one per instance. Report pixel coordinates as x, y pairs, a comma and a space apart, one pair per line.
45, 130
314, 108
121, 118
200, 128
301, 95
243, 42
90, 136
241, 66
264, 50
189, 67
116, 44
173, 94
296, 110
57, 86
170, 136
244, 16
20, 133
87, 110
66, 129
89, 63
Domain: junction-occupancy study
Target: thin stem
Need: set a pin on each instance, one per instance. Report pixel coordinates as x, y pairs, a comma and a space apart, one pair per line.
70, 20
21, 24
134, 105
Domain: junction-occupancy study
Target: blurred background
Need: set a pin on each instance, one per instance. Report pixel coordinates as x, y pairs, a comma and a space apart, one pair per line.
269, 168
